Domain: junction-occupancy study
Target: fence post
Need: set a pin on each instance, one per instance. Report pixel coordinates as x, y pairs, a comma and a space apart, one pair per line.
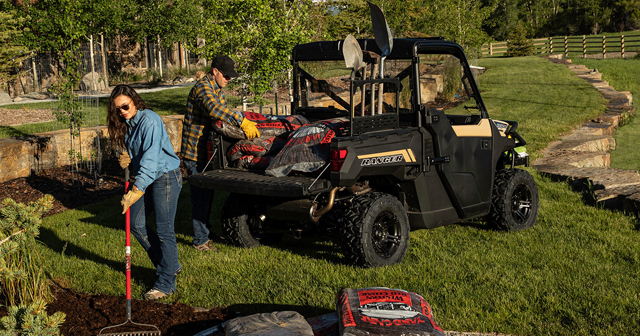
566, 47
550, 45
604, 47
584, 46
491, 48
622, 45
36, 85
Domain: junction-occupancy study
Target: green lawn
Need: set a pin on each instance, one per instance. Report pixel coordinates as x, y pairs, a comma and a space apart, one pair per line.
622, 75
577, 272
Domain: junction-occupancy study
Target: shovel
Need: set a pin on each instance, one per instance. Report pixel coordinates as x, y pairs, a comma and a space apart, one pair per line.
127, 268
384, 40
353, 60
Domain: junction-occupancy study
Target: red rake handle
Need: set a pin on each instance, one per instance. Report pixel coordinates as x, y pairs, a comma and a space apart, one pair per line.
127, 263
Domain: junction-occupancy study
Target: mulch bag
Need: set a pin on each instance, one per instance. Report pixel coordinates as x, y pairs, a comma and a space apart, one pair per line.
384, 311
308, 148
251, 162
267, 125
257, 147
281, 323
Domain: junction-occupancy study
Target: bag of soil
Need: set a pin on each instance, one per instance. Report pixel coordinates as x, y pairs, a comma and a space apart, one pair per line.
307, 149
383, 311
281, 323
268, 126
251, 162
257, 147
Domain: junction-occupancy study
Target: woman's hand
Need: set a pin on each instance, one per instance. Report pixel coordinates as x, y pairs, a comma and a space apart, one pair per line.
130, 197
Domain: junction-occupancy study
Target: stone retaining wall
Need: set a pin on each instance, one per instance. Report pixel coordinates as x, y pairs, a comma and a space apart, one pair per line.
22, 155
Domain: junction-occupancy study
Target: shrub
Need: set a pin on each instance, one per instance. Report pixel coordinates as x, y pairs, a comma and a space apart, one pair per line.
518, 43
32, 319
21, 276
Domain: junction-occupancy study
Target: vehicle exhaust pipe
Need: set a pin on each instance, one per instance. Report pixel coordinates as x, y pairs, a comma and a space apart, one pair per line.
316, 214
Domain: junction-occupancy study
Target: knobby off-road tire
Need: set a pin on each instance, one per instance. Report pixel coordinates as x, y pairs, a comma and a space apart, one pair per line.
375, 230
514, 201
240, 223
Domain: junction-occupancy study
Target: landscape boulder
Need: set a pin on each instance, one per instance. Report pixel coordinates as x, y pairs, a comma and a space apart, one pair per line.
5, 98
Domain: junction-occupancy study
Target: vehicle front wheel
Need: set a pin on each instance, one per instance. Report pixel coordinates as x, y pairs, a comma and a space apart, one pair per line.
240, 223
515, 200
375, 230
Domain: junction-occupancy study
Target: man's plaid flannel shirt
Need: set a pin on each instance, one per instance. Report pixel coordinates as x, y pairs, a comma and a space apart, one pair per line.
205, 104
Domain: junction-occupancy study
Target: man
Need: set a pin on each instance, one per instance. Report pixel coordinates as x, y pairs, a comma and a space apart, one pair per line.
205, 103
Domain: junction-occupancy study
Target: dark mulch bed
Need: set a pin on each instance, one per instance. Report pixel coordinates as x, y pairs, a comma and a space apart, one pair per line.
87, 314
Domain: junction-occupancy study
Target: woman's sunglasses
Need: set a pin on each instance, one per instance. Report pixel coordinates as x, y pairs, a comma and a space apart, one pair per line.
124, 107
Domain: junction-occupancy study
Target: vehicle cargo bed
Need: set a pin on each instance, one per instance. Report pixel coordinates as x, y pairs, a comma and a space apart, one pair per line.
254, 183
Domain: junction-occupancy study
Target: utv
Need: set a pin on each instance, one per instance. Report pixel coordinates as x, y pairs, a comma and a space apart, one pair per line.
419, 152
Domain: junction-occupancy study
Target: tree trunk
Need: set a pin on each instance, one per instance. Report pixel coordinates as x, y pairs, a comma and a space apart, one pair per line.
93, 69
104, 62
159, 55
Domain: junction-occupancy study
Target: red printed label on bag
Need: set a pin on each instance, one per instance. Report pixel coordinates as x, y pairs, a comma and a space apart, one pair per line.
371, 296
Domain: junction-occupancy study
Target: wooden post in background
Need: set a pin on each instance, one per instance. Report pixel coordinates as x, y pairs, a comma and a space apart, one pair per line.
604, 47
584, 46
550, 45
491, 48
566, 47
35, 73
622, 46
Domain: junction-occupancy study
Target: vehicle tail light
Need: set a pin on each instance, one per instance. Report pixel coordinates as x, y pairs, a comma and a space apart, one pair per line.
337, 159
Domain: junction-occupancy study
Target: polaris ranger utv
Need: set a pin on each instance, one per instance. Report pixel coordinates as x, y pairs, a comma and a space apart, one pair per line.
419, 152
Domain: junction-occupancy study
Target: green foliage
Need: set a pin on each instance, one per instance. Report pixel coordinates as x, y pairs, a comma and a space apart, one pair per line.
257, 34
452, 79
19, 267
31, 320
12, 53
519, 44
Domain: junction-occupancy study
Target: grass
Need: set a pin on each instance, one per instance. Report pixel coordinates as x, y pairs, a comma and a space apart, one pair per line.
577, 272
622, 74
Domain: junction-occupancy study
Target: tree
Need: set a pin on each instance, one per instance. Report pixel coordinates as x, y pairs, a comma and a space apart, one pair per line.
519, 44
257, 34
12, 53
460, 21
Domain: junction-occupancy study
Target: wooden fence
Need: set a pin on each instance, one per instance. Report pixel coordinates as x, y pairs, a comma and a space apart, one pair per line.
615, 45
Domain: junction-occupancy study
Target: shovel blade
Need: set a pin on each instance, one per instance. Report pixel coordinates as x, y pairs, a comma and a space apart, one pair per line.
352, 53
381, 30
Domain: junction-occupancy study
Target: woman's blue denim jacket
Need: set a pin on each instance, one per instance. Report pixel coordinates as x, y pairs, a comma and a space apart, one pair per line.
149, 147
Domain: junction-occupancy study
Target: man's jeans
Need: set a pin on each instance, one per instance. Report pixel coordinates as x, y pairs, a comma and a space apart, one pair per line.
201, 200
161, 196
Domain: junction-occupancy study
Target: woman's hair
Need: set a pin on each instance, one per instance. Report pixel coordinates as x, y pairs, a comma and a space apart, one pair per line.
115, 122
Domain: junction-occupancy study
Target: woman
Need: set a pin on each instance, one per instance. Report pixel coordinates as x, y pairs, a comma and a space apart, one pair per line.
158, 181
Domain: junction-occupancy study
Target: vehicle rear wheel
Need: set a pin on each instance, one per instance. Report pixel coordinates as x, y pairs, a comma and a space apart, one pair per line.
240, 223
376, 230
515, 200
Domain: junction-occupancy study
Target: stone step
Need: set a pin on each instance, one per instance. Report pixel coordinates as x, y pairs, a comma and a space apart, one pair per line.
595, 128
577, 67
584, 143
603, 195
575, 159
590, 75
600, 84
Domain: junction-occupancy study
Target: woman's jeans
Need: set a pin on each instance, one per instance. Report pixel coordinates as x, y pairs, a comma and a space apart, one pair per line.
160, 196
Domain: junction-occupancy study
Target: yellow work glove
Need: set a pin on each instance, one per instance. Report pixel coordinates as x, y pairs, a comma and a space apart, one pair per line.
249, 128
124, 160
130, 197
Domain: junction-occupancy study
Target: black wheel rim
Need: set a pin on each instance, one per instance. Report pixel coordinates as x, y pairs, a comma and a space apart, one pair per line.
521, 204
386, 234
